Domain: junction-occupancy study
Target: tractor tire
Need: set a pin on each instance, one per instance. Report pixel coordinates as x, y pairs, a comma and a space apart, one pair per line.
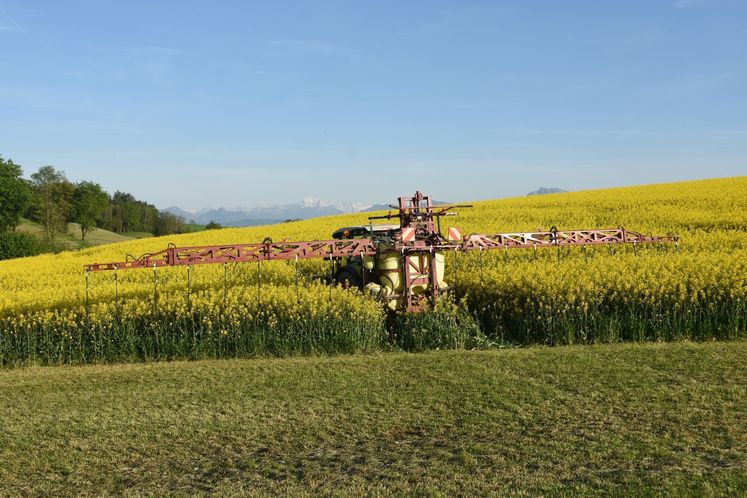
348, 278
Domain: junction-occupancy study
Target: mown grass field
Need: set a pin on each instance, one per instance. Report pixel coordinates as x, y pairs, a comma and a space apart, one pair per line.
664, 419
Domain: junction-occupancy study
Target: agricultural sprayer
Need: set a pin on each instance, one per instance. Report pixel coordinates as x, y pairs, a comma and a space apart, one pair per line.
402, 265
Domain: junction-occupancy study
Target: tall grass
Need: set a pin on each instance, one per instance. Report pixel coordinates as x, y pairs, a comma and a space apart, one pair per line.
613, 321
447, 326
168, 336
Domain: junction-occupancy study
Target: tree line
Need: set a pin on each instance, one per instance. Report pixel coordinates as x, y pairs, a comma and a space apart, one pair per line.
50, 199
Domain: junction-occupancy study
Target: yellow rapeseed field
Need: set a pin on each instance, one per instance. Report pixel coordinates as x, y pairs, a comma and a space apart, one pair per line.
697, 290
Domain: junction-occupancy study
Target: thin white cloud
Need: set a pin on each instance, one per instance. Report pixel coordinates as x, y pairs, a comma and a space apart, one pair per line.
634, 133
37, 98
137, 51
93, 128
165, 50
682, 4
285, 46
10, 24
153, 63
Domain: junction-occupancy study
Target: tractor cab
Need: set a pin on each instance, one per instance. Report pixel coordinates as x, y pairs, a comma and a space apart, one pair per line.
349, 271
373, 231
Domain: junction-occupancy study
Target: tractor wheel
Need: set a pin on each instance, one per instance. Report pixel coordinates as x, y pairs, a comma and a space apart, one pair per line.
348, 278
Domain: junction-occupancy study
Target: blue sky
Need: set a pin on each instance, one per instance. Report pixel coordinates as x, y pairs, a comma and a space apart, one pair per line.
218, 103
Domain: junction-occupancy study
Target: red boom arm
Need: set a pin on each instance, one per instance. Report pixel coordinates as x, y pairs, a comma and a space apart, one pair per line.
244, 253
560, 238
323, 249
417, 237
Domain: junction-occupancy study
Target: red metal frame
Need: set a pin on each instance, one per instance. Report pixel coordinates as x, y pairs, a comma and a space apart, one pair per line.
554, 238
418, 235
244, 253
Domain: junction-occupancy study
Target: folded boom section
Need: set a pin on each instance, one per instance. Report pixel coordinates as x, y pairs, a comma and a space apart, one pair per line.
559, 238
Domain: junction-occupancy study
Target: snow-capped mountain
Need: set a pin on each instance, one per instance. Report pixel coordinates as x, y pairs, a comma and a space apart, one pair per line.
307, 208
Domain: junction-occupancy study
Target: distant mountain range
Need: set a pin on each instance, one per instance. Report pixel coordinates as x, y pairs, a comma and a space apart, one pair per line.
547, 190
304, 210
242, 217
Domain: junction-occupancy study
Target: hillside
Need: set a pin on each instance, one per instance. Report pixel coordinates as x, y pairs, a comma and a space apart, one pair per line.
682, 207
71, 239
96, 237
696, 290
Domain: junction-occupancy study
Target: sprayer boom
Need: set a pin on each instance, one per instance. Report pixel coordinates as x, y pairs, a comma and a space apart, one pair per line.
402, 265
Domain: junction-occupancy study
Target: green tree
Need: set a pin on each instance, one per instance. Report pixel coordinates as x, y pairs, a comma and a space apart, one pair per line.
18, 245
88, 206
150, 218
213, 225
169, 223
53, 194
15, 195
127, 214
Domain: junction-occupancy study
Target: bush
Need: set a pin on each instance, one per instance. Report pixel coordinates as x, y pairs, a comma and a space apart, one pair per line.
18, 245
53, 246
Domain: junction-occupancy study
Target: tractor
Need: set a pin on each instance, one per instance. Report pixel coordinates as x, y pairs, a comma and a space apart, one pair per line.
402, 265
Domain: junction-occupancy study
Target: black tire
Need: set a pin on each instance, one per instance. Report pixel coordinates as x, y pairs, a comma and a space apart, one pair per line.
348, 278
